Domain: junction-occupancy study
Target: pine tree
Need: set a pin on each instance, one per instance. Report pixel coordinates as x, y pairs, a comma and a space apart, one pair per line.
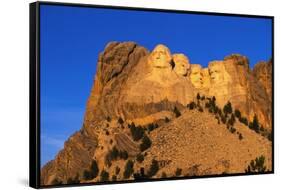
87, 175
145, 144
244, 120
198, 99
137, 132
94, 169
177, 112
104, 176
120, 120
123, 155
240, 136
227, 109
154, 167
129, 169
178, 172
140, 158
117, 170
191, 105
114, 178
257, 165
256, 125
237, 113
198, 96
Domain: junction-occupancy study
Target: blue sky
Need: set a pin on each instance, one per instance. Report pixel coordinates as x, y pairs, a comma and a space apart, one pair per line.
72, 37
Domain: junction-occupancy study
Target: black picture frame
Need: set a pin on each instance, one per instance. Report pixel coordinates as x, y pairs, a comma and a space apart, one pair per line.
34, 90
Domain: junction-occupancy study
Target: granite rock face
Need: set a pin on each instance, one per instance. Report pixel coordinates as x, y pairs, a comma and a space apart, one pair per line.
232, 80
115, 65
145, 87
114, 91
263, 73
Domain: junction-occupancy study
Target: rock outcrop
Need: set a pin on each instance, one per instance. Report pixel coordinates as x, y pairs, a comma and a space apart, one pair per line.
113, 96
114, 66
263, 73
75, 157
232, 80
133, 85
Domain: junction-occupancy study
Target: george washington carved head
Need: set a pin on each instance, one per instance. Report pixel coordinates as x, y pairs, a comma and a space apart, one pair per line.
160, 57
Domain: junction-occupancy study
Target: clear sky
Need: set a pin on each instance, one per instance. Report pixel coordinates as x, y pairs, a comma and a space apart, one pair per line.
72, 37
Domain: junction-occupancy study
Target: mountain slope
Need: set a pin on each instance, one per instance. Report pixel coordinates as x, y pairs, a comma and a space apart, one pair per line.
196, 139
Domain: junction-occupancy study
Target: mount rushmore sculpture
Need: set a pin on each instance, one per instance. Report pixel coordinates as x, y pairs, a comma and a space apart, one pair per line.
133, 85
161, 75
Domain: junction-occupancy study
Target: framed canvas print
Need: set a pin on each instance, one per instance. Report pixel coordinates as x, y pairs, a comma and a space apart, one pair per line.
120, 94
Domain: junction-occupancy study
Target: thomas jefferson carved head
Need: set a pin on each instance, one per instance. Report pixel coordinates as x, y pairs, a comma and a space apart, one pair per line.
160, 57
196, 75
182, 64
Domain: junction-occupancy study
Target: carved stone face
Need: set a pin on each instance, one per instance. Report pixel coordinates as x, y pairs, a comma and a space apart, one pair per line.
160, 57
182, 64
216, 70
196, 75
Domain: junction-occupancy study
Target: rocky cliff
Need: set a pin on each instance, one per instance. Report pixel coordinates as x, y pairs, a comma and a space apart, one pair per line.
263, 73
150, 110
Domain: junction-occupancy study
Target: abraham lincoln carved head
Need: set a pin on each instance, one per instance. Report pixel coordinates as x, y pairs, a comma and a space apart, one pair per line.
217, 72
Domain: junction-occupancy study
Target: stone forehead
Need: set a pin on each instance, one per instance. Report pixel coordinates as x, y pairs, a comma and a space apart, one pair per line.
180, 56
161, 47
196, 66
205, 71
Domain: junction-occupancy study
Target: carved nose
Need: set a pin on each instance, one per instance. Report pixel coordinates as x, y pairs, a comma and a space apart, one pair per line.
158, 54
